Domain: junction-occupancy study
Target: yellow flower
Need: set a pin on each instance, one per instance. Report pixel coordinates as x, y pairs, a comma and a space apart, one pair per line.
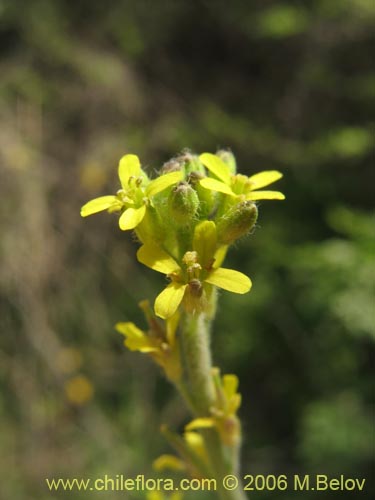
240, 186
224, 417
199, 268
135, 193
159, 343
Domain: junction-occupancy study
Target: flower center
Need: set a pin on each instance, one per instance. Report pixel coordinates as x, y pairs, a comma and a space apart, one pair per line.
193, 268
241, 184
133, 194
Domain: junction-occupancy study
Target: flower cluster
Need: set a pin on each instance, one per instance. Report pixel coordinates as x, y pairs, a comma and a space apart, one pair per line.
186, 219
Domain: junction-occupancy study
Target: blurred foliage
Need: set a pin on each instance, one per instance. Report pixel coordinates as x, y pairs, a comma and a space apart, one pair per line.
286, 85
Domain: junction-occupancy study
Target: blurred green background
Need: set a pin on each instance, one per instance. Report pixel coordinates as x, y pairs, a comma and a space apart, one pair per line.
285, 85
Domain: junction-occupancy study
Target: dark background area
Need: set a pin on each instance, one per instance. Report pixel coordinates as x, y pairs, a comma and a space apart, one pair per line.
285, 85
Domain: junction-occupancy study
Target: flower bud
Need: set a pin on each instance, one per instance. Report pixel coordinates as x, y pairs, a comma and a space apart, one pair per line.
173, 165
238, 221
183, 203
229, 159
192, 164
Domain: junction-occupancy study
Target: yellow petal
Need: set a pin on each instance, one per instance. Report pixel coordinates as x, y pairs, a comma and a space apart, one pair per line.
132, 217
230, 280
220, 255
157, 259
99, 204
162, 182
230, 385
265, 195
129, 166
200, 423
204, 243
195, 442
264, 178
214, 185
167, 302
216, 166
168, 462
136, 339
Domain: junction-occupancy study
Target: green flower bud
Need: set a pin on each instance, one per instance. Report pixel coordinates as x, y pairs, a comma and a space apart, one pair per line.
192, 164
183, 203
228, 158
185, 161
206, 197
238, 221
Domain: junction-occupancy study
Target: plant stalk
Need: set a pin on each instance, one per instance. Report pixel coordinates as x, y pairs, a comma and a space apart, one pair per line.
199, 391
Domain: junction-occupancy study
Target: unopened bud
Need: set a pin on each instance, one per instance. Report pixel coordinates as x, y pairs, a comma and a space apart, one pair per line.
173, 165
229, 159
183, 203
193, 165
238, 221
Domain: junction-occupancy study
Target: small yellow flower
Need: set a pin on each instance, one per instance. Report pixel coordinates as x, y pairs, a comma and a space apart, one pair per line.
199, 268
240, 186
135, 193
224, 417
158, 343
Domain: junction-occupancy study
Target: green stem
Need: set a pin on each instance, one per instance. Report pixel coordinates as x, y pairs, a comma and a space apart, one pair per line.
197, 364
199, 391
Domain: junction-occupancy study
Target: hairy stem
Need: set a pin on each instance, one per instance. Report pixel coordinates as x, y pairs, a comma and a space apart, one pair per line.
197, 363
199, 391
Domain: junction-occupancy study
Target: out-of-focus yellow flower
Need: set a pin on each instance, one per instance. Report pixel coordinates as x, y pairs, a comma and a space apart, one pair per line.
224, 417
159, 343
238, 185
199, 267
79, 390
135, 193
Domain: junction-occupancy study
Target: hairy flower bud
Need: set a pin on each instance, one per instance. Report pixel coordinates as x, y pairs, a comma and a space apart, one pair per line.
238, 221
183, 203
228, 158
173, 165
192, 164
